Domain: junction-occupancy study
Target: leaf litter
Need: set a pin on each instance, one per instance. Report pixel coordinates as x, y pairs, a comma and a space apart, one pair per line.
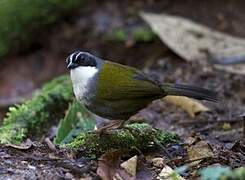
195, 42
109, 166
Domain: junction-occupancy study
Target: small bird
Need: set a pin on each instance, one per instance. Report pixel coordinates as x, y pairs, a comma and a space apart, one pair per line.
117, 92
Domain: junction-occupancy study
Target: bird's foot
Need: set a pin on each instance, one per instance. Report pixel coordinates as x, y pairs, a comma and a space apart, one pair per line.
117, 124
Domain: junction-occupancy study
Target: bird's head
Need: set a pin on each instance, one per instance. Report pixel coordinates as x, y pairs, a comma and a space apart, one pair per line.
83, 67
82, 59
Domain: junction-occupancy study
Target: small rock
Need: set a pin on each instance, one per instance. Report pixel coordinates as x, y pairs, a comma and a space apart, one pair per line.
69, 176
226, 126
31, 167
24, 162
190, 140
130, 165
168, 173
158, 162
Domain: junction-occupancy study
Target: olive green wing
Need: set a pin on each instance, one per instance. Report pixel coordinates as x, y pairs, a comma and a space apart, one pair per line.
122, 82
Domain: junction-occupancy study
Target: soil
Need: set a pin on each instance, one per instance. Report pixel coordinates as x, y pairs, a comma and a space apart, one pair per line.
222, 128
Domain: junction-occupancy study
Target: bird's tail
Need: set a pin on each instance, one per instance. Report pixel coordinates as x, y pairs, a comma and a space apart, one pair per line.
189, 91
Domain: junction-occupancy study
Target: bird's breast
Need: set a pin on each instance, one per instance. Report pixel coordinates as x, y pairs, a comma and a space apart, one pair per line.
79, 91
81, 77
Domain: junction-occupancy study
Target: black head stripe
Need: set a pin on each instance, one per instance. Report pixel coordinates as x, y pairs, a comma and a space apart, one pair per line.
73, 56
84, 59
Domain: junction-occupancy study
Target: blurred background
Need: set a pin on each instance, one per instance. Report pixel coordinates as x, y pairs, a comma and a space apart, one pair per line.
36, 36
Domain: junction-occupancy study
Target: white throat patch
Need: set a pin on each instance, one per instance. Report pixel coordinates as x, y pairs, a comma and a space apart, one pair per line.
80, 77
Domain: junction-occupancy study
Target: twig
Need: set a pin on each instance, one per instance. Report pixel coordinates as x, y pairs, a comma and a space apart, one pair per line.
212, 121
205, 128
197, 159
60, 162
230, 60
73, 167
169, 156
50, 144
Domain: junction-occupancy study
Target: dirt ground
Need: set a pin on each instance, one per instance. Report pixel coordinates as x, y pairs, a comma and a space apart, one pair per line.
222, 128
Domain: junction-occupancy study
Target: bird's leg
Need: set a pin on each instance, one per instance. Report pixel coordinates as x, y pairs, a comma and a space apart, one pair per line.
121, 124
113, 125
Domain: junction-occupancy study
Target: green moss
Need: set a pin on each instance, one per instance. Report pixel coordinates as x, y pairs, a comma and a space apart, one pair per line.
138, 35
119, 35
140, 136
22, 21
13, 133
142, 34
45, 106
164, 138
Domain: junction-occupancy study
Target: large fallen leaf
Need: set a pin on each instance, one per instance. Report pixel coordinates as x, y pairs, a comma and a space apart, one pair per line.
77, 119
198, 151
191, 106
193, 41
168, 173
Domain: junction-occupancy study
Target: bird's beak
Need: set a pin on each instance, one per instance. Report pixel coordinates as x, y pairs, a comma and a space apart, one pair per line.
72, 65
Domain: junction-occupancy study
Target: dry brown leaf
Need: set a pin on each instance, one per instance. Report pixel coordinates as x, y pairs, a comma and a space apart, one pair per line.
191, 106
130, 165
108, 166
167, 173
193, 41
190, 140
198, 151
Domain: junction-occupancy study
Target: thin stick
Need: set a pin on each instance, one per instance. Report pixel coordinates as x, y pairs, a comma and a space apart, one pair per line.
212, 121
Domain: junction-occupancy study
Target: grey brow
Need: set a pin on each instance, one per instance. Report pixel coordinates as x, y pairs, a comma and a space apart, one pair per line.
67, 60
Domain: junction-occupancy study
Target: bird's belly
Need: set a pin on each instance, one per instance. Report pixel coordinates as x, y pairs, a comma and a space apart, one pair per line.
117, 109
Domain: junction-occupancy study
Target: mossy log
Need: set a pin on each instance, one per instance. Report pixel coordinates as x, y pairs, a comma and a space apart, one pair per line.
47, 105
23, 21
134, 136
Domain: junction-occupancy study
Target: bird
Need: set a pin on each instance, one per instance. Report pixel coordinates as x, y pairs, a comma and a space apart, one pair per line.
116, 92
